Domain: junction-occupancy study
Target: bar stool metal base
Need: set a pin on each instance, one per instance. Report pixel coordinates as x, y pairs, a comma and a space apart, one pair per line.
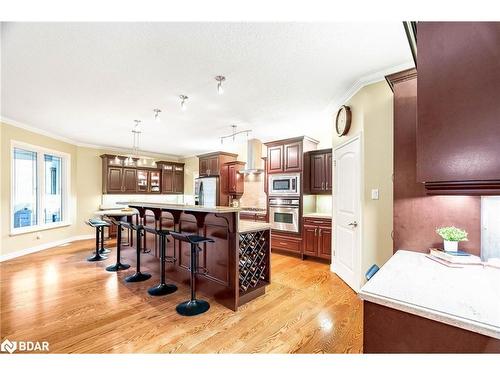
162, 289
103, 250
117, 267
137, 277
192, 307
96, 258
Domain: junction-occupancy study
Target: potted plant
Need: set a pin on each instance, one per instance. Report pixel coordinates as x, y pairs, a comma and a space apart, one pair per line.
452, 236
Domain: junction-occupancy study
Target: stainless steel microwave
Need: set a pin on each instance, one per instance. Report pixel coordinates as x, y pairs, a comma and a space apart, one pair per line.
284, 184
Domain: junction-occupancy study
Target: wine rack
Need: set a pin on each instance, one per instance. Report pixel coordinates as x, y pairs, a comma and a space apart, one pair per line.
253, 260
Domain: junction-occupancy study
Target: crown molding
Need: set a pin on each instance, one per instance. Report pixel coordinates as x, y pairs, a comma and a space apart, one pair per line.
365, 81
33, 129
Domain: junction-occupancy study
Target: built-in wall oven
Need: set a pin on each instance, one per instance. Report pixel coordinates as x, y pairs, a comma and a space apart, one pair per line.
284, 214
284, 184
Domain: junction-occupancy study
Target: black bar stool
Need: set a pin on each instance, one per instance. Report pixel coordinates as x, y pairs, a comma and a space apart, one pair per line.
138, 275
162, 288
99, 226
119, 265
193, 306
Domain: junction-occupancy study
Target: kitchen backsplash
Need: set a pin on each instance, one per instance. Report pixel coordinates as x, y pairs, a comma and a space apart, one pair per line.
490, 227
254, 195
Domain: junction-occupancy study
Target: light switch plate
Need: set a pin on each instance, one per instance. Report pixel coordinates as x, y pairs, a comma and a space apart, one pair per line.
374, 194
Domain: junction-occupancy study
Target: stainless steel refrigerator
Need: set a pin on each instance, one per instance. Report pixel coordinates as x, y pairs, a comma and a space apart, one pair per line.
206, 191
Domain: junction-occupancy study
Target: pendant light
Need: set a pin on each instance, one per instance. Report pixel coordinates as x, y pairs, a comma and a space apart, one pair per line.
157, 114
220, 79
184, 98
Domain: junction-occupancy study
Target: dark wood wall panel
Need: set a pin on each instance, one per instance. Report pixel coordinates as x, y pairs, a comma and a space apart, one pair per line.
417, 215
386, 330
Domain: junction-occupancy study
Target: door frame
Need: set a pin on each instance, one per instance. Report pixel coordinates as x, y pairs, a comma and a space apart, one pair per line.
357, 256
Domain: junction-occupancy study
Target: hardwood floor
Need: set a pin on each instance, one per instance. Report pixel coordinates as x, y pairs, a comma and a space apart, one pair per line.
78, 307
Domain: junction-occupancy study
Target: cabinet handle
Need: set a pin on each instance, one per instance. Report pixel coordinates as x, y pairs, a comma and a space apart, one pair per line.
320, 232
315, 232
283, 243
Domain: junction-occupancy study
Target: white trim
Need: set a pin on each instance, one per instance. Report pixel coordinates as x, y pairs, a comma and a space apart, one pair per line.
65, 188
365, 81
359, 260
33, 129
48, 245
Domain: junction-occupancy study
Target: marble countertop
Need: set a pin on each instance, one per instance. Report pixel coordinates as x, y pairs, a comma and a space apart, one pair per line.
183, 207
468, 297
318, 215
246, 226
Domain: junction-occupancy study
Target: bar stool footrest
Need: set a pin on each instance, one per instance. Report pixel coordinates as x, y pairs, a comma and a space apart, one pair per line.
192, 307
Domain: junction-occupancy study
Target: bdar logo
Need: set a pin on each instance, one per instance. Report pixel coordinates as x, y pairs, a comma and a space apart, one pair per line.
8, 346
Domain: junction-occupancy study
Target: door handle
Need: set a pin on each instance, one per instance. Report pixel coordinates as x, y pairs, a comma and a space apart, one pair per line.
315, 232
354, 224
320, 232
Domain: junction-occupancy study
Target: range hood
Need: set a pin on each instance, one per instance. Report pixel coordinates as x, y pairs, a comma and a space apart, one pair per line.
254, 157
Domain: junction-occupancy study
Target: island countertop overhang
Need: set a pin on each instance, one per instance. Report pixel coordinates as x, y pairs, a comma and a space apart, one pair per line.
183, 207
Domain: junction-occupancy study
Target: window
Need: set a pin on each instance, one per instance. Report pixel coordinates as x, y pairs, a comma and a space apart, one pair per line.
40, 183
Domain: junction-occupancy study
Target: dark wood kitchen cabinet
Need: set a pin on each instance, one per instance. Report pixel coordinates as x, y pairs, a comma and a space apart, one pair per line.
235, 180
129, 180
318, 172
275, 157
122, 175
458, 146
317, 237
116, 177
172, 177
148, 181
212, 163
286, 155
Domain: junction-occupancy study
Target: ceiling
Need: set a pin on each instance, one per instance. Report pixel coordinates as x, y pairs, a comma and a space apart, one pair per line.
89, 81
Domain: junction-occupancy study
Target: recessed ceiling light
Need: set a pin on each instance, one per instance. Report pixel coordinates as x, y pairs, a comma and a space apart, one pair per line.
184, 98
220, 79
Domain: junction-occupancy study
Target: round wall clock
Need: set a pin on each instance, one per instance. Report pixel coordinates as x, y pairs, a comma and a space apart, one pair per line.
343, 120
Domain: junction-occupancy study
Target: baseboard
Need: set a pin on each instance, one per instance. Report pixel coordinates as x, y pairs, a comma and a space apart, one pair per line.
44, 246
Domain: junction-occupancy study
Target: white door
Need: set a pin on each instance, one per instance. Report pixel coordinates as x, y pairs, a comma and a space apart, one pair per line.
347, 223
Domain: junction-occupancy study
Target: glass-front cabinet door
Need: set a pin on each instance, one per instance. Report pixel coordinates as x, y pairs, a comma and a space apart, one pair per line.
142, 181
154, 178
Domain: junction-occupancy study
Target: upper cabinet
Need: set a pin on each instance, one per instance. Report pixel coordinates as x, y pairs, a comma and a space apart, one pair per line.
458, 146
211, 164
172, 177
318, 172
235, 180
122, 176
287, 155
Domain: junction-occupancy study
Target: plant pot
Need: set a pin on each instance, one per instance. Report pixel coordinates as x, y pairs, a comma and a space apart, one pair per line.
450, 245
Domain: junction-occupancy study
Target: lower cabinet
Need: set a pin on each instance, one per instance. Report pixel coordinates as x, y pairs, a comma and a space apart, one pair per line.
253, 216
317, 237
286, 243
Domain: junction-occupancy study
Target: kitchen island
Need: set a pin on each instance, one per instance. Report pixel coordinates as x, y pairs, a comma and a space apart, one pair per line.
414, 304
236, 267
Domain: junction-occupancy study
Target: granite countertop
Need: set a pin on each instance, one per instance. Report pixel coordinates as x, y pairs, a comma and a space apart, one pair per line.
183, 207
116, 212
258, 211
246, 226
318, 215
467, 298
